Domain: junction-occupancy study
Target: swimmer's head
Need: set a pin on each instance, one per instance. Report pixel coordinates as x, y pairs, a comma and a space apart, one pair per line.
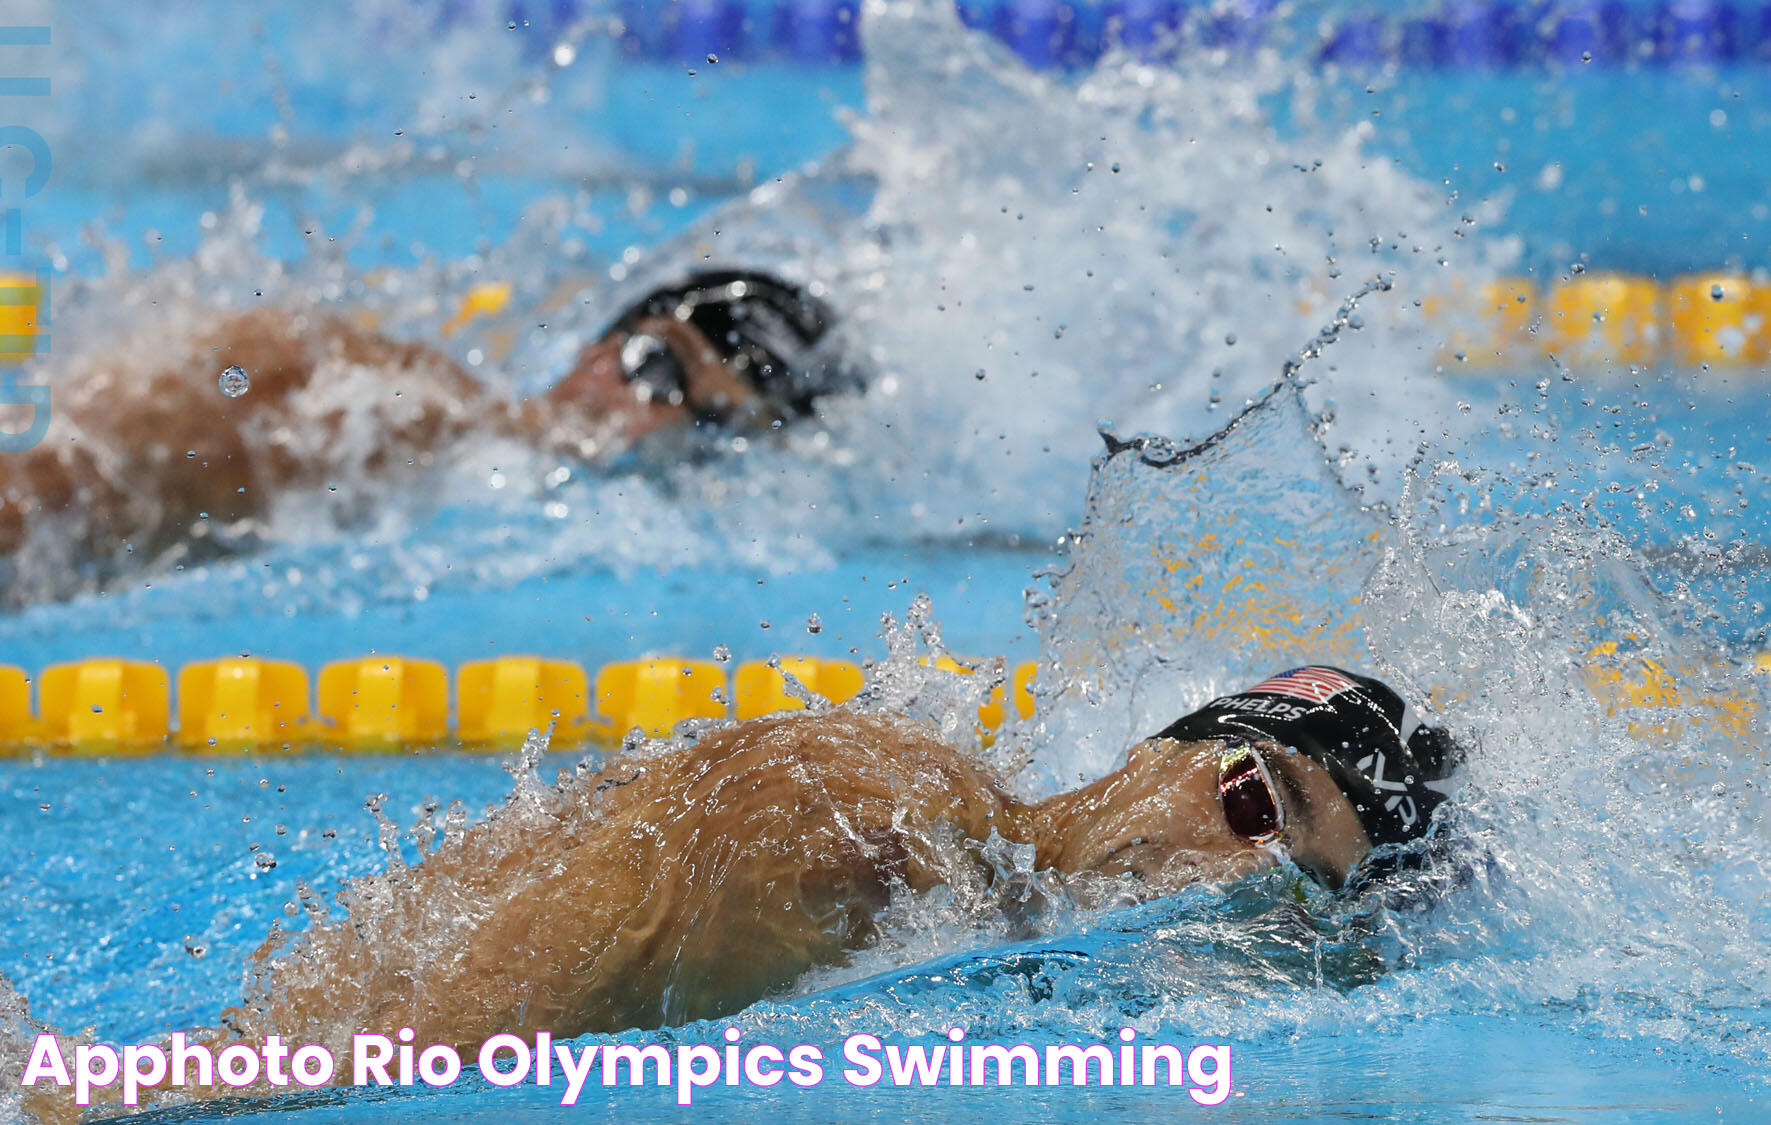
1371, 770
774, 337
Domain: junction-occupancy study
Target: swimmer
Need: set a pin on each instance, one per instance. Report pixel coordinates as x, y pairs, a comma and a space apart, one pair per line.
150, 460
688, 885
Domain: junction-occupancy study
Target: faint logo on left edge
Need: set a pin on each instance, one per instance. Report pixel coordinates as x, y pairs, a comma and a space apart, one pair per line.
24, 289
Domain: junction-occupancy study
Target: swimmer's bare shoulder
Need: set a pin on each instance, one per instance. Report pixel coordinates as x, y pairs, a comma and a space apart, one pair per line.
143, 444
659, 890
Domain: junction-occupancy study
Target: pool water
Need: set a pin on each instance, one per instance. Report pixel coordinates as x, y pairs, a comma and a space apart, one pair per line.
1029, 258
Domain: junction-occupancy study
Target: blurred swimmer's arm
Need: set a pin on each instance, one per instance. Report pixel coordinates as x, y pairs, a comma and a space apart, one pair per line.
47, 479
145, 449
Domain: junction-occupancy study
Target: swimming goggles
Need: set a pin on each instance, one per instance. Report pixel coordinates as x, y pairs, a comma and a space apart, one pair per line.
653, 369
1250, 798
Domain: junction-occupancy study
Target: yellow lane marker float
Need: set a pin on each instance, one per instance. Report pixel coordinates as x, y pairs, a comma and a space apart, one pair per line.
16, 723
1488, 327
488, 298
1602, 319
105, 705
759, 690
1718, 319
1659, 700
21, 300
498, 702
1598, 320
656, 694
993, 710
384, 702
242, 702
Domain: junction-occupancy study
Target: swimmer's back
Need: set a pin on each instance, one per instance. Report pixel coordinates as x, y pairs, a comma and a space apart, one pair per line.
716, 875
659, 890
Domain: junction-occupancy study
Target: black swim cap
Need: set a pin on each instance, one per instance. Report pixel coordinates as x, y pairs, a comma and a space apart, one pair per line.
1385, 760
774, 335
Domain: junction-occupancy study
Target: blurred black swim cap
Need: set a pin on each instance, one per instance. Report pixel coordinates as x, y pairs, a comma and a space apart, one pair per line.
1388, 763
774, 335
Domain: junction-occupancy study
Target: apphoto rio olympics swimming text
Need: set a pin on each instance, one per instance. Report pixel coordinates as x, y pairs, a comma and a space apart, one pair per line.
867, 1060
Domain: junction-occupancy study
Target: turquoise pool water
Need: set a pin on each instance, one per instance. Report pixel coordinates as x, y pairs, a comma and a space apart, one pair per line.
1139, 245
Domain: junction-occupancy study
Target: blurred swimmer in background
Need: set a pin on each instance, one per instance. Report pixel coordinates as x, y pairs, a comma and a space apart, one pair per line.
146, 457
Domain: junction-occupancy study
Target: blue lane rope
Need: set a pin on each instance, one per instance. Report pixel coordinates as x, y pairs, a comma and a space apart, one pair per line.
1454, 35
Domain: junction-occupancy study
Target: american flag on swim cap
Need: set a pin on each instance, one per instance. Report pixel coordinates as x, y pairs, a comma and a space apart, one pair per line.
1318, 685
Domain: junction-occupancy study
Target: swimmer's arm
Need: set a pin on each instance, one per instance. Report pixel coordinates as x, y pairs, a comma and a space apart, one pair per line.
668, 890
615, 936
142, 453
45, 480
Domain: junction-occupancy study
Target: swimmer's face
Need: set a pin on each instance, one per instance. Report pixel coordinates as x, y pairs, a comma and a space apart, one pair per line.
1161, 819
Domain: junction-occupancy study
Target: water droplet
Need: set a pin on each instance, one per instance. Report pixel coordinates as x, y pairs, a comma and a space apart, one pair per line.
814, 625
235, 382
1715, 292
1230, 340
1586, 56
264, 861
712, 58
194, 947
978, 374
722, 654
